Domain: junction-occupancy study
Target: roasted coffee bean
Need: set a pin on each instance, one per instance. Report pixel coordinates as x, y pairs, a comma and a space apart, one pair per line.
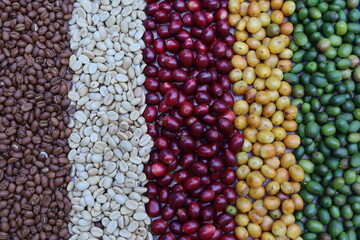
34, 114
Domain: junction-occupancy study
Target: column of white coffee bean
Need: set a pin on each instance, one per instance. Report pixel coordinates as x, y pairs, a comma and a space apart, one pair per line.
109, 141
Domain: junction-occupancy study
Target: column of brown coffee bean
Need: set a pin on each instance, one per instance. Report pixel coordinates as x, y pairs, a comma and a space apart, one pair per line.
34, 113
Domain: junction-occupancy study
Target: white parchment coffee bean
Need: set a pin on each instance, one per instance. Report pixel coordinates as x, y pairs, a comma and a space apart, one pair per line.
82, 185
109, 144
96, 232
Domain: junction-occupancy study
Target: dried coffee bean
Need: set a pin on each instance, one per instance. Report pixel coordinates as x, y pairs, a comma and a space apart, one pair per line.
34, 82
109, 143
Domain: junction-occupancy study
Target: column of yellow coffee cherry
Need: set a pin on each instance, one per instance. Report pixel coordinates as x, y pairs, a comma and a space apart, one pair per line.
268, 176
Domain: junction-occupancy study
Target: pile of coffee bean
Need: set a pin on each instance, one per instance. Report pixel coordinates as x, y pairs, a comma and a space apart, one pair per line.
109, 141
34, 108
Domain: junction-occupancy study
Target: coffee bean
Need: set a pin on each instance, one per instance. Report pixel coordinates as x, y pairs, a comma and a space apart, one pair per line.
34, 82
4, 236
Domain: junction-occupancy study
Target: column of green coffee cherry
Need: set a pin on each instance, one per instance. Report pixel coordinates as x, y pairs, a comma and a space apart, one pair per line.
326, 87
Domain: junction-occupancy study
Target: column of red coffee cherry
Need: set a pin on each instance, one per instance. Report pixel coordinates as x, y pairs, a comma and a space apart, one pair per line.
34, 82
190, 171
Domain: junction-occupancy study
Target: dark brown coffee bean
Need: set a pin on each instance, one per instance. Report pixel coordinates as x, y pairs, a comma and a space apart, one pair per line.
9, 131
20, 180
34, 200
3, 204
24, 232
5, 227
29, 222
44, 219
20, 27
36, 237
5, 36
4, 236
63, 232
4, 185
11, 188
34, 82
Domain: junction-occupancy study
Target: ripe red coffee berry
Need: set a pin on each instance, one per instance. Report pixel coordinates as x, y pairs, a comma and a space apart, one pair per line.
194, 118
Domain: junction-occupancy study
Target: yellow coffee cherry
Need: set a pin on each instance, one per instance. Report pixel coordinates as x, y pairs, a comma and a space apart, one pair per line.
263, 70
240, 48
253, 25
241, 107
